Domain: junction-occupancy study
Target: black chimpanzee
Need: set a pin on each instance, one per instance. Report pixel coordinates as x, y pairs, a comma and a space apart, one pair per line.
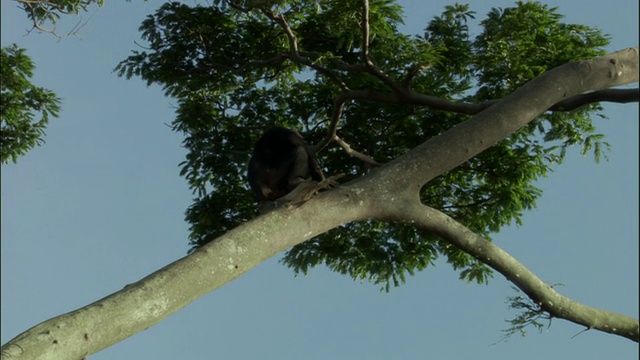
280, 161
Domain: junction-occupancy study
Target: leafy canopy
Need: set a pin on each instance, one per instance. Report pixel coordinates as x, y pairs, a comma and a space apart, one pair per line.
236, 68
21, 102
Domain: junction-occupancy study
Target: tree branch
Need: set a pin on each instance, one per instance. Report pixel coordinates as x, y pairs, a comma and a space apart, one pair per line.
338, 106
621, 96
294, 53
354, 153
541, 293
413, 98
365, 31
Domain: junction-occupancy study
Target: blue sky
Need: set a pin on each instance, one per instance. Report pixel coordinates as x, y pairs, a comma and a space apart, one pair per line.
101, 205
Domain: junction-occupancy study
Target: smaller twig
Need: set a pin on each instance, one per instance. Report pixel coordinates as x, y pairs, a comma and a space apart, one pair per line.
366, 58
338, 107
581, 332
49, 8
411, 73
354, 153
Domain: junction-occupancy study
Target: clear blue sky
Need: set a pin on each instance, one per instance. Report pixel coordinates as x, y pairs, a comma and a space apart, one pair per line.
101, 205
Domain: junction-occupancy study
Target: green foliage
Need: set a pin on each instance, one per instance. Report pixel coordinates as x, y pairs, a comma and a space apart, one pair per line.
21, 101
234, 71
529, 315
522, 43
40, 11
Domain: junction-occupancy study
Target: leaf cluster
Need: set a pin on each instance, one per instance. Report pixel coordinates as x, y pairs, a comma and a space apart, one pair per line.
529, 315
238, 68
21, 103
41, 12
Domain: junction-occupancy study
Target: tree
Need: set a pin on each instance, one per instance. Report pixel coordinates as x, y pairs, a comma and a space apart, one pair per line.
21, 100
385, 194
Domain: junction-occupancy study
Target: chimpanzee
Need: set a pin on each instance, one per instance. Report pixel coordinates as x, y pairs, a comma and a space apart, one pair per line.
280, 161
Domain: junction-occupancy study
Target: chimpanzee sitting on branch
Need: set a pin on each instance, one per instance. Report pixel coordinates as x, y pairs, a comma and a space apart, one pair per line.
281, 161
